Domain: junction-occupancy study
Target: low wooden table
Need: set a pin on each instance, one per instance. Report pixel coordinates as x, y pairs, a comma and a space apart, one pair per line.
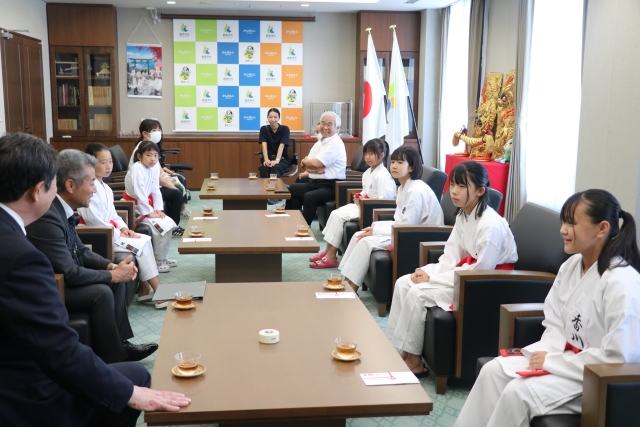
243, 193
295, 382
248, 244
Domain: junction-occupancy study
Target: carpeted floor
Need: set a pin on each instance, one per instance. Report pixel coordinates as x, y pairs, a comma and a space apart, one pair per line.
147, 326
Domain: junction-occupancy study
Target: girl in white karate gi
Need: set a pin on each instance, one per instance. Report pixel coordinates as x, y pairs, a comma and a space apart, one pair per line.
377, 183
480, 240
141, 185
416, 204
102, 213
592, 315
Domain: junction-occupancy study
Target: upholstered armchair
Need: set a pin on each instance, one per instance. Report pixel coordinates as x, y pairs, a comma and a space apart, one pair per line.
454, 340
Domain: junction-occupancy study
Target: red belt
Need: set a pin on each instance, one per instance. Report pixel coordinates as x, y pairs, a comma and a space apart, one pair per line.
128, 197
572, 347
471, 260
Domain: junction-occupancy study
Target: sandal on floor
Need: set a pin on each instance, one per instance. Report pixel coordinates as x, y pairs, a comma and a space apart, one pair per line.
318, 257
147, 297
324, 263
424, 373
177, 232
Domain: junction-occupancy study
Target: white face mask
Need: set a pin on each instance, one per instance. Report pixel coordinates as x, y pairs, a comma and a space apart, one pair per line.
155, 136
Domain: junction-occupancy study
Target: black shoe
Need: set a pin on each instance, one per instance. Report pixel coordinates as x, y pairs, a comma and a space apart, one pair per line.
137, 352
177, 232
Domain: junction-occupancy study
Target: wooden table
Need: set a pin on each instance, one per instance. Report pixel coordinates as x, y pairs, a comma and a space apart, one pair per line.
243, 193
248, 245
295, 382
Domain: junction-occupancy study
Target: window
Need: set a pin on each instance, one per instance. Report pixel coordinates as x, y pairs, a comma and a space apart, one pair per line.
554, 101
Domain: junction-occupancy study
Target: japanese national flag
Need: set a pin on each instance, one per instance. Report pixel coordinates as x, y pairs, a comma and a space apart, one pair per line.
398, 113
373, 114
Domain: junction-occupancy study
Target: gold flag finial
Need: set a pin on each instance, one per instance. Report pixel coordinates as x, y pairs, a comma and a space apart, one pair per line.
368, 30
392, 26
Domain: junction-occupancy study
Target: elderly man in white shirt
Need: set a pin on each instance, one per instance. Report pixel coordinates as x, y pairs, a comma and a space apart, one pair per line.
325, 164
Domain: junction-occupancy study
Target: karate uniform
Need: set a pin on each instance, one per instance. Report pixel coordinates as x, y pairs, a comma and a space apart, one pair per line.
139, 183
599, 316
416, 204
102, 213
488, 239
375, 185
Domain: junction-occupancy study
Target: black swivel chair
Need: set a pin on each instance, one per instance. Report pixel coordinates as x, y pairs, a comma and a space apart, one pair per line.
454, 340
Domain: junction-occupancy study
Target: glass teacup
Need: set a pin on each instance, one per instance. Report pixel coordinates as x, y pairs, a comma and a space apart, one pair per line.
188, 362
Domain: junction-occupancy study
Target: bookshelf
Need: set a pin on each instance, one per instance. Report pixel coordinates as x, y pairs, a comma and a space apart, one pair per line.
83, 93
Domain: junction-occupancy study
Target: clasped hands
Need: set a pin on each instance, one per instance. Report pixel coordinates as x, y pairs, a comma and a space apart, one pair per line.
270, 163
156, 214
419, 276
537, 360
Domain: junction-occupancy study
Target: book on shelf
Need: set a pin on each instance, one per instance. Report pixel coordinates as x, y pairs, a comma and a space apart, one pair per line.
90, 95
67, 124
99, 95
102, 122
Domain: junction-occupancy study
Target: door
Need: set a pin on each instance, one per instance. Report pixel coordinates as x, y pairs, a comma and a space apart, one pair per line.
22, 80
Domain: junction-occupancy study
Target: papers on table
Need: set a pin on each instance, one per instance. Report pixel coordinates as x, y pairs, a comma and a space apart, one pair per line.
293, 239
389, 378
196, 218
196, 239
276, 215
330, 295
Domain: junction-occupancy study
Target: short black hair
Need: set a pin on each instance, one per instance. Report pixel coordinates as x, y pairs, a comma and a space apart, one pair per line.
147, 125
274, 110
473, 172
25, 160
94, 148
411, 156
144, 147
376, 146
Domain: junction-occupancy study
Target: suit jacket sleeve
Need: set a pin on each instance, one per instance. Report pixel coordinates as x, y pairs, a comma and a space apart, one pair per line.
38, 325
48, 235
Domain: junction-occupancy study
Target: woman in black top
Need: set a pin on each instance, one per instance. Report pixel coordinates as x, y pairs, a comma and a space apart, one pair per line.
274, 139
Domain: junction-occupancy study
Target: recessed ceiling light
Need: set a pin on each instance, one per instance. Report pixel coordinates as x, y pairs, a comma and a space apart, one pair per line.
171, 2
304, 5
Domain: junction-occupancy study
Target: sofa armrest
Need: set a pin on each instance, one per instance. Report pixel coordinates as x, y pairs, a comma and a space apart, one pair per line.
378, 212
60, 285
352, 175
129, 206
508, 314
599, 381
100, 239
368, 205
341, 191
477, 296
427, 249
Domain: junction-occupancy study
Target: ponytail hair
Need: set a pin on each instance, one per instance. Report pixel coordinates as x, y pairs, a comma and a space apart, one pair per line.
143, 148
377, 146
94, 148
600, 205
477, 174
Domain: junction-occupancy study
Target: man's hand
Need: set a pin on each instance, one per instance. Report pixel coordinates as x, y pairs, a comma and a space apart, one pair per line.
320, 170
146, 399
366, 232
125, 271
419, 276
303, 174
125, 232
537, 360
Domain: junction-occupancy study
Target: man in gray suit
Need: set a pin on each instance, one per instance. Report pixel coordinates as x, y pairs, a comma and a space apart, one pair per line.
93, 284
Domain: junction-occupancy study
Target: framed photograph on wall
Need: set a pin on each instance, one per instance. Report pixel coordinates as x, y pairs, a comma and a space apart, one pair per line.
144, 70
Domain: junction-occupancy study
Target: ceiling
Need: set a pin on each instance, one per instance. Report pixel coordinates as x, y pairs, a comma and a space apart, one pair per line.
240, 7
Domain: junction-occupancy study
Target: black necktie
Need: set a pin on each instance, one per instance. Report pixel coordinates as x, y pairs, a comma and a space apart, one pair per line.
72, 238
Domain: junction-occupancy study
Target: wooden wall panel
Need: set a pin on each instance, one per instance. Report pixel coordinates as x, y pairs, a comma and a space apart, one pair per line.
81, 25
407, 30
224, 158
197, 154
249, 162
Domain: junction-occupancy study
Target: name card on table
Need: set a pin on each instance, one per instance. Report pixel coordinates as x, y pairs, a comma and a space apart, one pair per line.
389, 378
209, 218
293, 239
276, 215
333, 295
196, 239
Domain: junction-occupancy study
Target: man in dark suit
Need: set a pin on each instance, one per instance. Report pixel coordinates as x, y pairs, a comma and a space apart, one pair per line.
47, 376
92, 284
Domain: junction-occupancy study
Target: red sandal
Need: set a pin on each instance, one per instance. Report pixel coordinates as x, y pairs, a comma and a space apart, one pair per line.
324, 263
318, 257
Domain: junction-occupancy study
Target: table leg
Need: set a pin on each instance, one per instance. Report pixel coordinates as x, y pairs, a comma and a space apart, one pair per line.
305, 423
244, 205
248, 268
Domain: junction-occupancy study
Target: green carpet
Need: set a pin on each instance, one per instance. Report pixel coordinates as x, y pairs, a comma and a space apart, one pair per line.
147, 326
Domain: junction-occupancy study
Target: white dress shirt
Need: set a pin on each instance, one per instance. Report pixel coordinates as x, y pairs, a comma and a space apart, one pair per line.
332, 154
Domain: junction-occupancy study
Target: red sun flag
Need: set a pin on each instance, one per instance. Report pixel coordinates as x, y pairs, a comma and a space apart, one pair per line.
368, 100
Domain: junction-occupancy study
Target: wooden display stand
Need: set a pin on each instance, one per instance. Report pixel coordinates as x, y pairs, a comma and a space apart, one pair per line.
498, 175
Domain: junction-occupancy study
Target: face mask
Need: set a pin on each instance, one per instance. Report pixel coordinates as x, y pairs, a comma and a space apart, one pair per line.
155, 136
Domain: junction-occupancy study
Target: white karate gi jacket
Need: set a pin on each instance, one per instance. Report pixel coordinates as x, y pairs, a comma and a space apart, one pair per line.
600, 315
378, 184
141, 182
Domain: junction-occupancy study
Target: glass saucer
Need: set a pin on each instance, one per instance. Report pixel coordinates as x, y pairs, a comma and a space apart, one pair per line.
333, 287
356, 356
199, 371
307, 234
183, 307
196, 234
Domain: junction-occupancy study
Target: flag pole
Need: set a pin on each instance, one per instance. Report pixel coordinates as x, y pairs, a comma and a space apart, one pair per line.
415, 124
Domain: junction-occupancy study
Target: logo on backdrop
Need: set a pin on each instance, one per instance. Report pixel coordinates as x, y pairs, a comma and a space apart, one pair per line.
249, 95
185, 116
206, 51
185, 73
249, 52
292, 95
206, 94
227, 31
184, 29
292, 52
228, 116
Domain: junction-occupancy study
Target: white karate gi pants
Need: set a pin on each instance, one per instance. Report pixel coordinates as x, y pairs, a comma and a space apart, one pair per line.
355, 262
498, 400
161, 244
147, 267
335, 224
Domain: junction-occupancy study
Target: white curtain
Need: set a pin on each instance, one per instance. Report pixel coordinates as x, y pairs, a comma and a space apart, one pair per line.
454, 80
553, 116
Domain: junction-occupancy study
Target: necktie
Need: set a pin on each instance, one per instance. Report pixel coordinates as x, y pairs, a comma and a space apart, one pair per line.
72, 238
